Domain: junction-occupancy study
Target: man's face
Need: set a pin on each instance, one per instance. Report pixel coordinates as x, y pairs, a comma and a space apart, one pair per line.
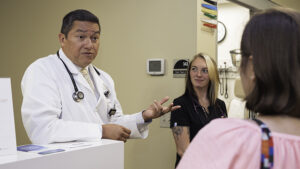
81, 45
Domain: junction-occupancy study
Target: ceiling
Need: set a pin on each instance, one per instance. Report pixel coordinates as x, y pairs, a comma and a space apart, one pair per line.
264, 4
295, 4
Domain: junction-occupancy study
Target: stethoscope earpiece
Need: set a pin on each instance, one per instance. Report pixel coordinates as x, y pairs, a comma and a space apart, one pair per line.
78, 96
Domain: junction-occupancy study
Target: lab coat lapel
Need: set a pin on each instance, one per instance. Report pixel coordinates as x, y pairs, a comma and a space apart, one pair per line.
103, 102
99, 84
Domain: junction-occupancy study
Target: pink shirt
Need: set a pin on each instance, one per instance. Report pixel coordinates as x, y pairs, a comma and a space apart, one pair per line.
236, 144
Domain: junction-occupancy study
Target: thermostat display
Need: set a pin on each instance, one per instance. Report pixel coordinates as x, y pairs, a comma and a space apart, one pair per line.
155, 66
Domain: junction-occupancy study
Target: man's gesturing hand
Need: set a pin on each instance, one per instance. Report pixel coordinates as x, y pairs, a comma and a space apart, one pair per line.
156, 109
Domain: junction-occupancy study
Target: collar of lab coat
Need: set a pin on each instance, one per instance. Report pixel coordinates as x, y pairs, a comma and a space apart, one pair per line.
74, 69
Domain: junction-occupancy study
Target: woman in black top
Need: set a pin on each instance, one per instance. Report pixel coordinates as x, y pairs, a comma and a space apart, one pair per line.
199, 104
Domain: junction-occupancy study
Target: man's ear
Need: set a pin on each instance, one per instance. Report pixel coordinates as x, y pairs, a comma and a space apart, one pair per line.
61, 38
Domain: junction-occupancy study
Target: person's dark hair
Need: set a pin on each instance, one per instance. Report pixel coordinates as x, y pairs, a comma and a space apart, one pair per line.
272, 38
77, 15
214, 81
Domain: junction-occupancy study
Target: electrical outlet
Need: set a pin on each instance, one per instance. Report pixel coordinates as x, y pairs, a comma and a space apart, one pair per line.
165, 120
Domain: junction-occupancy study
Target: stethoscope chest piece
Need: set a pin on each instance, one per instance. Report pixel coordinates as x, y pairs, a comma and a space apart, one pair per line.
78, 96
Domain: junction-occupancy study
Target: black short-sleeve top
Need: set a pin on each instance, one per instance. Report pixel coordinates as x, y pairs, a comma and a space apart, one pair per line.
193, 115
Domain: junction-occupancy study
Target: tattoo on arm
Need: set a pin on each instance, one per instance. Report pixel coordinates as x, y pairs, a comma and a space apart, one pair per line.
177, 130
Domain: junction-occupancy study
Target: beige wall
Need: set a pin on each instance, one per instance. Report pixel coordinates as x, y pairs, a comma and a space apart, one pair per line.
132, 31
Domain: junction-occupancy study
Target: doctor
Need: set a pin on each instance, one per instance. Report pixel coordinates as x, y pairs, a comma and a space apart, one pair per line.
66, 98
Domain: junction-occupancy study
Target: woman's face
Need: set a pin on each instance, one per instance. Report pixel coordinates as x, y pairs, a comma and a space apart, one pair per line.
199, 73
248, 77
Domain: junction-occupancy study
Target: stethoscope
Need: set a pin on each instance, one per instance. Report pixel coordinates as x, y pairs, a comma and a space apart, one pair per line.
226, 89
78, 95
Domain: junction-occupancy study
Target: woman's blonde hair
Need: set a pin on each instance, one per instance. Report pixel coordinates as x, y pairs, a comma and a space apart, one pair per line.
214, 81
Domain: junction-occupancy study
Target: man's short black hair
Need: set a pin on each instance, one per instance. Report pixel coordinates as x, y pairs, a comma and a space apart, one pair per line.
77, 15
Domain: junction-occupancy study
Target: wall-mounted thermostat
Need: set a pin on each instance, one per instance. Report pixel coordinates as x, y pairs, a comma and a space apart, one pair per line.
156, 66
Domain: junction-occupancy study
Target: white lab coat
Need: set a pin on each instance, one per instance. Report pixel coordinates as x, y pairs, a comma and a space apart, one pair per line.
50, 114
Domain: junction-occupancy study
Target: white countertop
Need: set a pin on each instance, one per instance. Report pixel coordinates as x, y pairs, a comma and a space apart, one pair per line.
102, 154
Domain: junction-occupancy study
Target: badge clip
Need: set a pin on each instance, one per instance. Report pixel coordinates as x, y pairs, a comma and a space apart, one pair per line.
112, 111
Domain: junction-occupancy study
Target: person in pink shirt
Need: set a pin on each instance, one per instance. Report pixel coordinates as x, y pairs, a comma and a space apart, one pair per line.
270, 74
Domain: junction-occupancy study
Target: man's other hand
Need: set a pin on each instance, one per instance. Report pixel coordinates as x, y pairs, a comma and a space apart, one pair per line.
115, 132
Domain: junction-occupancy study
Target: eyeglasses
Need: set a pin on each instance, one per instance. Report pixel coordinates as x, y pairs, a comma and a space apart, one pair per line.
195, 69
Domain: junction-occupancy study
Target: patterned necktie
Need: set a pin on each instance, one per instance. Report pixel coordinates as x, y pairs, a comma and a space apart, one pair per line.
87, 77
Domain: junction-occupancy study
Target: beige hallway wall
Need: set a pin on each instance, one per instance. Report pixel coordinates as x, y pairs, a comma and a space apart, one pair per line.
132, 31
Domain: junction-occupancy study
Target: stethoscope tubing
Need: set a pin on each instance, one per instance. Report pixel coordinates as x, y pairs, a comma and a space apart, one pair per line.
70, 74
78, 95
